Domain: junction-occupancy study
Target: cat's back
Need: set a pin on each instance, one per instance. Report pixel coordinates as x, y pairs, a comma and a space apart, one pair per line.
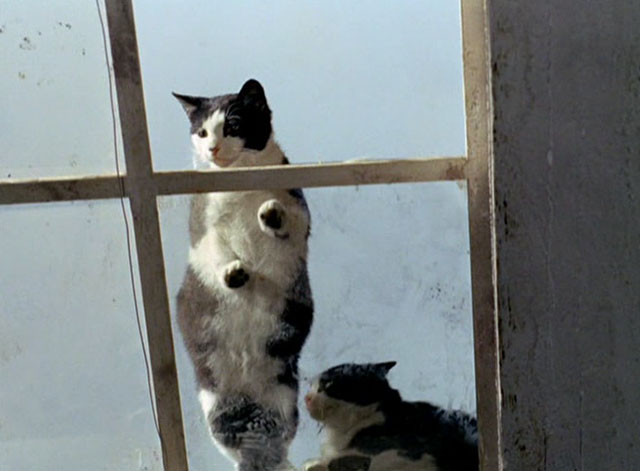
448, 436
420, 436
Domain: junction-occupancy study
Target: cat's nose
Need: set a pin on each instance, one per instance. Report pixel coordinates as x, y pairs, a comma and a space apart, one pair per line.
214, 150
308, 398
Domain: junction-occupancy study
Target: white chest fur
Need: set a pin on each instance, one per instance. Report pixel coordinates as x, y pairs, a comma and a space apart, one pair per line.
248, 316
233, 233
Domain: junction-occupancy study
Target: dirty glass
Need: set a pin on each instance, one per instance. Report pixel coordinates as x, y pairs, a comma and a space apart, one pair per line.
55, 115
389, 272
74, 392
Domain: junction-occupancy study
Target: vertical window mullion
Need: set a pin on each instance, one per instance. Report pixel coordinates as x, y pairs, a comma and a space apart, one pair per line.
142, 196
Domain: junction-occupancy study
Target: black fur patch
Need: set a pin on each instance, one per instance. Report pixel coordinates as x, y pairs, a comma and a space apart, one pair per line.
272, 218
295, 320
236, 278
412, 429
358, 384
247, 114
289, 375
249, 117
199, 109
243, 418
350, 463
257, 434
296, 193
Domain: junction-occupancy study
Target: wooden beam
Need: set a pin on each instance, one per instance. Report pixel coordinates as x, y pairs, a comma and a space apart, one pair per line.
482, 230
43, 190
142, 197
312, 175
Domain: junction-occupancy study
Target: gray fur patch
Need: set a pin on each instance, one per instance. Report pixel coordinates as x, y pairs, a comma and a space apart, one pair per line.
197, 218
259, 435
195, 304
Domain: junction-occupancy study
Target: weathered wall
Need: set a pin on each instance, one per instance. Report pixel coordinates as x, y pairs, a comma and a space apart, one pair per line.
566, 85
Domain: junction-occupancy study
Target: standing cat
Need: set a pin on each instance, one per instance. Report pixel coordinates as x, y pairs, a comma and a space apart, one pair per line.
370, 428
245, 306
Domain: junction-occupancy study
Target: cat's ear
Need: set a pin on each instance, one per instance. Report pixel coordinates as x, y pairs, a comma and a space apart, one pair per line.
383, 368
253, 93
189, 103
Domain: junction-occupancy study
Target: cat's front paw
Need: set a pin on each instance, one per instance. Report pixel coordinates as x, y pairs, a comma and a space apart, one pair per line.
272, 219
234, 275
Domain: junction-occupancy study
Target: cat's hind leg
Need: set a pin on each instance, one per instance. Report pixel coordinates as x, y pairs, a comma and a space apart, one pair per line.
258, 438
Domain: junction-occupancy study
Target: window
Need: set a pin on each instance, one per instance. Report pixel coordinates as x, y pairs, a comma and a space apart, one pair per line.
146, 188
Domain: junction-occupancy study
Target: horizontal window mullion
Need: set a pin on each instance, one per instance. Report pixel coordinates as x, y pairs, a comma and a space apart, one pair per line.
43, 190
183, 182
312, 175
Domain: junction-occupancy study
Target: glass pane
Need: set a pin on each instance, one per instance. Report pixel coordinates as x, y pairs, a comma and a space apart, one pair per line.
344, 80
55, 114
74, 392
389, 271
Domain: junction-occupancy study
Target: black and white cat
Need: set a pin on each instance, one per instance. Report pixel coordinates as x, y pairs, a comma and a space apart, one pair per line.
369, 427
245, 306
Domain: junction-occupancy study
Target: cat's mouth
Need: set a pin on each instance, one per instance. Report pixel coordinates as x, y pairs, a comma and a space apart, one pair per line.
219, 161
315, 407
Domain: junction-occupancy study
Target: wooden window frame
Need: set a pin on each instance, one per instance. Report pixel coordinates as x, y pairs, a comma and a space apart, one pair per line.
142, 185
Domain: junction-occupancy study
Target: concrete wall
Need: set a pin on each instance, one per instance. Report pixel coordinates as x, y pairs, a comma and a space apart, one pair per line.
566, 86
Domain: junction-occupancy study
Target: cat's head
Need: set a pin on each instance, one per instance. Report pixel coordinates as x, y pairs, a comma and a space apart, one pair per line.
229, 130
345, 392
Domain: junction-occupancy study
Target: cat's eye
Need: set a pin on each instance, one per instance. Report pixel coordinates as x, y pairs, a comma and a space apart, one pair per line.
233, 126
202, 133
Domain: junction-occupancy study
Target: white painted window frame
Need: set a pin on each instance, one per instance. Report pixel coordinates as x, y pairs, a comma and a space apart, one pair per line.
142, 185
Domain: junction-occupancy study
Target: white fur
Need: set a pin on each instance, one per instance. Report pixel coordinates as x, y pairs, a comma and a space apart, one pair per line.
249, 314
208, 402
340, 430
237, 237
230, 150
342, 421
204, 146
